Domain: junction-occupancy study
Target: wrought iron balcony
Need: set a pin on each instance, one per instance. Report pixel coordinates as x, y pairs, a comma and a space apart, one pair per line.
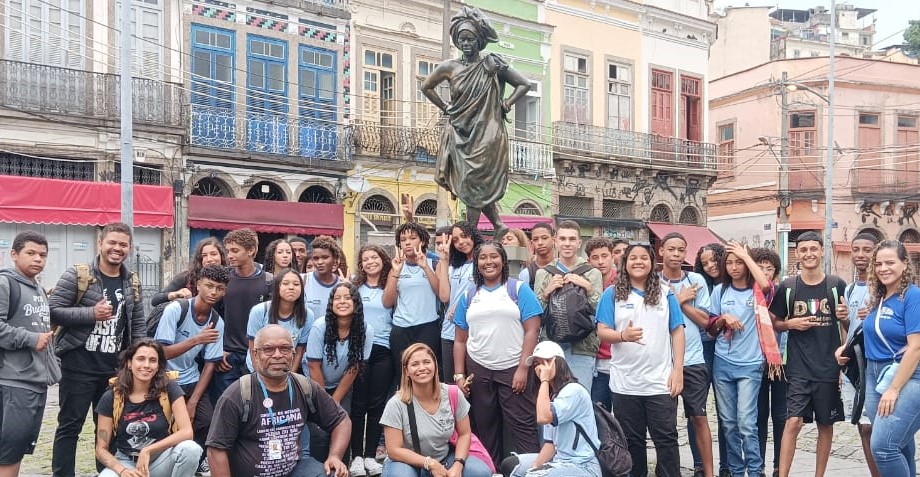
85, 94
282, 135
884, 182
397, 142
648, 149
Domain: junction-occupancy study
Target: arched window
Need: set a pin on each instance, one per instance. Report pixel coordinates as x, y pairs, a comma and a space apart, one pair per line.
317, 194
660, 213
210, 187
527, 208
909, 236
689, 216
427, 208
378, 204
266, 190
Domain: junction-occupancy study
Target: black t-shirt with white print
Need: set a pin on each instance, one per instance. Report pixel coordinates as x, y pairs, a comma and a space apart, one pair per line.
140, 424
99, 355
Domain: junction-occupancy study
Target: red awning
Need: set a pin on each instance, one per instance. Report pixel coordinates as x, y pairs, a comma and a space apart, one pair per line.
525, 222
269, 216
30, 200
696, 236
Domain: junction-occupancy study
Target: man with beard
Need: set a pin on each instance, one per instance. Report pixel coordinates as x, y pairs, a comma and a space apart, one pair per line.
99, 313
258, 426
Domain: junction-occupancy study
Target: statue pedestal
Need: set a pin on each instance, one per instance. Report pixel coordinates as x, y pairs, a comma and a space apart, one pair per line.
517, 259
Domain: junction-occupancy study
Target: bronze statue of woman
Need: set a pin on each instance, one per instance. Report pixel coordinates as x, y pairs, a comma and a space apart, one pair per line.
473, 161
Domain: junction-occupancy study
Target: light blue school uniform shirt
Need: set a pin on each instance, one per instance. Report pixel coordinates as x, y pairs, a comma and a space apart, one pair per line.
897, 318
572, 405
693, 353
169, 333
856, 295
743, 349
461, 280
317, 294
258, 319
316, 351
376, 316
416, 302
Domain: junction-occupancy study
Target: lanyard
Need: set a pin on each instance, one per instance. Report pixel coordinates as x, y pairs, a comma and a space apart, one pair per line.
269, 404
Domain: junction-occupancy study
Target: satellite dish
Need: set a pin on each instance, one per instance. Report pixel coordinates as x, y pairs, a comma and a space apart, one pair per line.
357, 184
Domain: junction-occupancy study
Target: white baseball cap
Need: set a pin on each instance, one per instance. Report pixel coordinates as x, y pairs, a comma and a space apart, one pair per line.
545, 350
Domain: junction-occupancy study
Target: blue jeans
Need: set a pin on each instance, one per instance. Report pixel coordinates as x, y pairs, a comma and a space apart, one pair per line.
582, 366
893, 436
222, 381
600, 389
473, 468
555, 469
181, 459
737, 389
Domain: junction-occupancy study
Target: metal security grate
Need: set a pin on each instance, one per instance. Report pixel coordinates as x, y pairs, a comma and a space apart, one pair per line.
576, 206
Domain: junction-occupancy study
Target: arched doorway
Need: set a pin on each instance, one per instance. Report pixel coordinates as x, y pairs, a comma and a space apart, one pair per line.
379, 211
689, 216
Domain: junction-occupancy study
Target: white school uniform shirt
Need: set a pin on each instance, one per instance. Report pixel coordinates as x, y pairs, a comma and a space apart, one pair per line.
636, 369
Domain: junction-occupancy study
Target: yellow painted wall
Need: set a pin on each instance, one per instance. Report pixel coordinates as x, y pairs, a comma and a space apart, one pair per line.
602, 40
417, 182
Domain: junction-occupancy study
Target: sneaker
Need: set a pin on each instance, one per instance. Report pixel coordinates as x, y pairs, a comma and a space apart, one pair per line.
725, 473
357, 467
204, 470
372, 467
381, 453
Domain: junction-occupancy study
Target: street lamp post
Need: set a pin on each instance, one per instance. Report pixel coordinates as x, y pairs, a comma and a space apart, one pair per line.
829, 167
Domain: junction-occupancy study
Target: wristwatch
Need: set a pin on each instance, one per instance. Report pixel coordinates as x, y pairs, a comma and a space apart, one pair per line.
458, 377
461, 460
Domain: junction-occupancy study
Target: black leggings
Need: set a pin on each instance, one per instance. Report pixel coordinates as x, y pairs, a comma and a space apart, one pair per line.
400, 339
369, 396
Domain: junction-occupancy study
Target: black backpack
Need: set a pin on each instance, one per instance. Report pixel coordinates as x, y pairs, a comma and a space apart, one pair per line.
569, 315
613, 453
153, 319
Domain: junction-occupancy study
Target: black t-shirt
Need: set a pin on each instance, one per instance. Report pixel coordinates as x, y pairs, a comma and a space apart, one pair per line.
810, 353
242, 294
99, 355
250, 443
141, 424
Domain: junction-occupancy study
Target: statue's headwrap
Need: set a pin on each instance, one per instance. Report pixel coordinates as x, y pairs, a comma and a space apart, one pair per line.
472, 20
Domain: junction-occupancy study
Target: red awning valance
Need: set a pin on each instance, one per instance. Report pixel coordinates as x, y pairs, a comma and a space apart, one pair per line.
525, 222
268, 216
30, 200
696, 236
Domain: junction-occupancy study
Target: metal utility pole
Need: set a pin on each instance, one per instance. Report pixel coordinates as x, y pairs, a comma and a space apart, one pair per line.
443, 217
784, 200
127, 115
829, 166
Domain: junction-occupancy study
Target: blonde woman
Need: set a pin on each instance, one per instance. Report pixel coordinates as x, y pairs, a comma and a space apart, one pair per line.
426, 450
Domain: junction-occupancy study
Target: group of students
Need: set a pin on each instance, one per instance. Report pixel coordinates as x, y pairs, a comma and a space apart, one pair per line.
438, 356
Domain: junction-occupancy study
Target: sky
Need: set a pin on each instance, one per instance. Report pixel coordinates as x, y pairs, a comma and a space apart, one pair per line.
890, 19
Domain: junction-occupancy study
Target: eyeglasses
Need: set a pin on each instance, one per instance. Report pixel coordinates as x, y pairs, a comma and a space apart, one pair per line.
271, 350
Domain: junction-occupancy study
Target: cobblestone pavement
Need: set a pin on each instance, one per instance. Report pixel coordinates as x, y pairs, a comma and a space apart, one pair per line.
846, 454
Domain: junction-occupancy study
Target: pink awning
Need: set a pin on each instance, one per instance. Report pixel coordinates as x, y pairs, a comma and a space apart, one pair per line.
524, 222
269, 216
31, 200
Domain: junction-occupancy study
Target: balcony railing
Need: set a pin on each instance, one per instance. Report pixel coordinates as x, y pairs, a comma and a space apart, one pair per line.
884, 181
397, 142
85, 94
648, 149
282, 135
533, 158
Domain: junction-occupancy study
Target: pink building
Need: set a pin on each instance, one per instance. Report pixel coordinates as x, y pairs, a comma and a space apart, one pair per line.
876, 170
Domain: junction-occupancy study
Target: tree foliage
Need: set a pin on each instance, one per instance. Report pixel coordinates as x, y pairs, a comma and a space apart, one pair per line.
912, 38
